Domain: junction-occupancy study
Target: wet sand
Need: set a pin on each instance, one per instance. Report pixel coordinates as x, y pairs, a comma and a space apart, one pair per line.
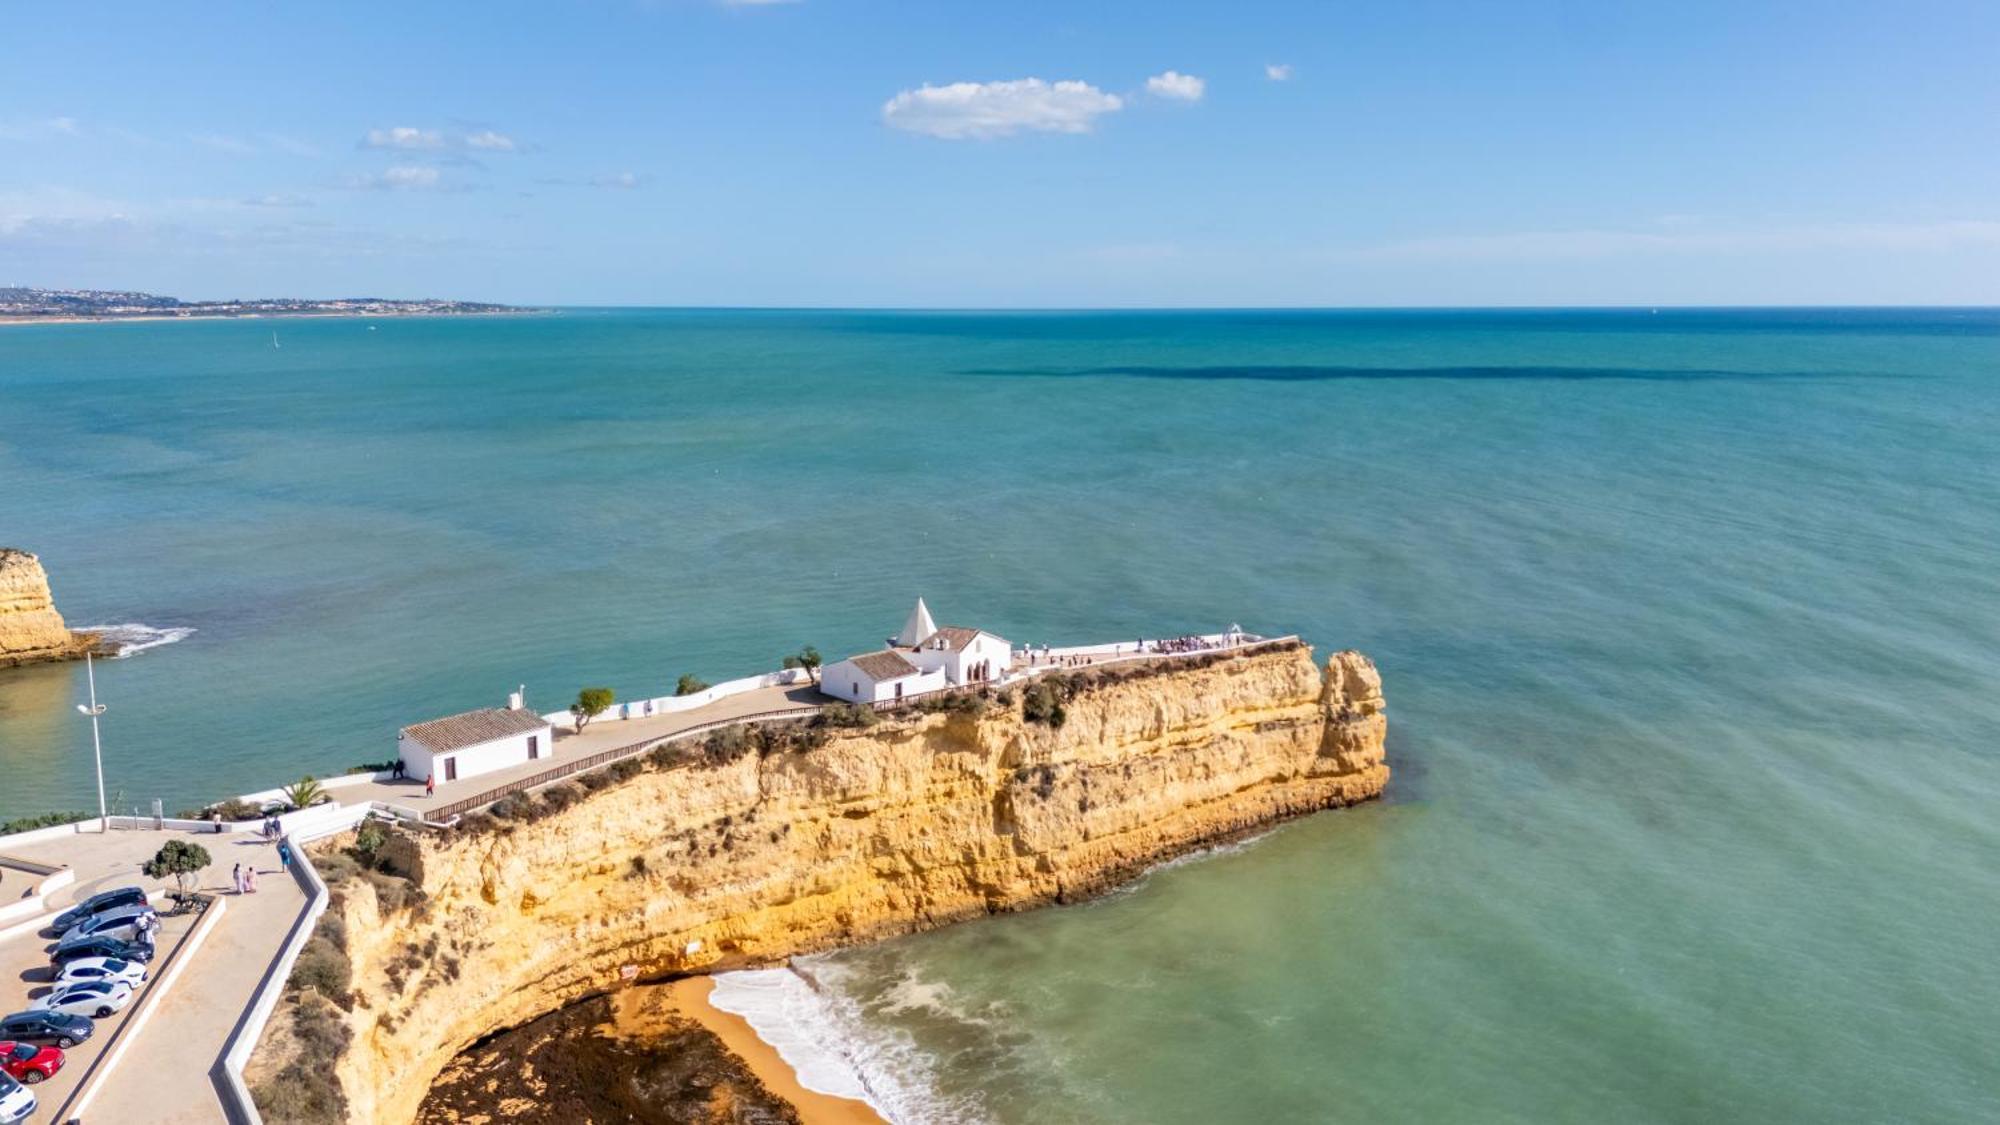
689, 997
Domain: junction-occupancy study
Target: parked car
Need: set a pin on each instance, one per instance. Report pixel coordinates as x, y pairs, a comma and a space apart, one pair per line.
122, 922
27, 1063
63, 1030
101, 968
66, 952
96, 999
16, 1100
98, 904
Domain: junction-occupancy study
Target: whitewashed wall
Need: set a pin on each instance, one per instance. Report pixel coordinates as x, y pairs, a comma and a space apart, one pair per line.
670, 704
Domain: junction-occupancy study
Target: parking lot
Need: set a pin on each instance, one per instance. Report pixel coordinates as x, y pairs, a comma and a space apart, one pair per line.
25, 976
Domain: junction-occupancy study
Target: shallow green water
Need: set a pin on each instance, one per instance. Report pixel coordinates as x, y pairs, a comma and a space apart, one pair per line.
1690, 626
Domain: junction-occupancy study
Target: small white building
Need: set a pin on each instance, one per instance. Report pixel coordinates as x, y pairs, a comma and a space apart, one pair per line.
921, 658
476, 742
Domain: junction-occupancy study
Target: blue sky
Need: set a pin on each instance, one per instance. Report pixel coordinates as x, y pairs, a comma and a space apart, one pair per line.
838, 152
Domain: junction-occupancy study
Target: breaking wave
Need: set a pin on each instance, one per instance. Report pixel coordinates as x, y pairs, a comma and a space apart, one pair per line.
131, 638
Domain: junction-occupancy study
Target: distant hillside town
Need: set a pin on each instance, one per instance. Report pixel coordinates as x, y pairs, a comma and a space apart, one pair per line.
108, 304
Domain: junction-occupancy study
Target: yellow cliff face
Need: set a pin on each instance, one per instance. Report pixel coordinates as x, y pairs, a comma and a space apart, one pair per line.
906, 825
31, 631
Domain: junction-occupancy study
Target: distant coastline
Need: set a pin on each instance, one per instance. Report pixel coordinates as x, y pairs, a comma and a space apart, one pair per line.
94, 306
140, 318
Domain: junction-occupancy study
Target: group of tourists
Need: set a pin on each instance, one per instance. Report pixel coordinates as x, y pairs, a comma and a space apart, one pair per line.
1181, 644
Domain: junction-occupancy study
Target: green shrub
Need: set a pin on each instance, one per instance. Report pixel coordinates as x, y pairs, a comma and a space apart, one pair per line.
846, 715
336, 868
625, 769
515, 806
560, 796
43, 820
373, 767
306, 1091
322, 967
595, 779
727, 745
368, 841
1042, 702
690, 684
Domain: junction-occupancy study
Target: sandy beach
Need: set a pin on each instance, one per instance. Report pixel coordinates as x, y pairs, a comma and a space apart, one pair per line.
636, 1007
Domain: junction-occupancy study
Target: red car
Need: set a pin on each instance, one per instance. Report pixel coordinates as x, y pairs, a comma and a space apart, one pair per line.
28, 1063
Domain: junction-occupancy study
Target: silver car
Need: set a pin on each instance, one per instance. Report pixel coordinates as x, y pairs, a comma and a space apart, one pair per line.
125, 923
96, 999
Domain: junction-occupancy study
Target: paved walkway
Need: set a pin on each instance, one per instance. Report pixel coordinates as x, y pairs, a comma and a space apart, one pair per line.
164, 1076
600, 735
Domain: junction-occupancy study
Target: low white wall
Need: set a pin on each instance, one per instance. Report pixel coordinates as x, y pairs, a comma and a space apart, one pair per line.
671, 704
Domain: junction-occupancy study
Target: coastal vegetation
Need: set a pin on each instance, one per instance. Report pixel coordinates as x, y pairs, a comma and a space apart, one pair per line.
40, 820
305, 793
807, 658
234, 809
590, 703
690, 684
180, 860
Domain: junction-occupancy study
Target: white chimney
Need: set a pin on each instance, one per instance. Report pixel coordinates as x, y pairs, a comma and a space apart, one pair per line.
516, 697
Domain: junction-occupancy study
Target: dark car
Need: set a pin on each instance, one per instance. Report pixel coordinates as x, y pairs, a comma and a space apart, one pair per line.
46, 1027
68, 951
98, 904
29, 1063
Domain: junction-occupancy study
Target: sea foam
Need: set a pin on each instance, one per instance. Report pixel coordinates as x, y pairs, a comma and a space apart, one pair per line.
821, 1035
131, 638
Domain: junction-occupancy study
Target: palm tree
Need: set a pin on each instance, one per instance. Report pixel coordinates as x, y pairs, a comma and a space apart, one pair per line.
304, 792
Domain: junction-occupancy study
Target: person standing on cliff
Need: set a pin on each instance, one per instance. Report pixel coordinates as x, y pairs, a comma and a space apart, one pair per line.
430, 785
236, 878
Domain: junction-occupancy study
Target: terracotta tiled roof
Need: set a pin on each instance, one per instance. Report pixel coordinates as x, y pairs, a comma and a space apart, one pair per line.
956, 637
884, 665
455, 732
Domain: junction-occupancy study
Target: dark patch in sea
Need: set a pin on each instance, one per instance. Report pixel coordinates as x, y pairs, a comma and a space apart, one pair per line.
1314, 373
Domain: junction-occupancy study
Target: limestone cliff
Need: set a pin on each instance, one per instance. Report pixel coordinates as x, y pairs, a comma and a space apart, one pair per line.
906, 825
31, 631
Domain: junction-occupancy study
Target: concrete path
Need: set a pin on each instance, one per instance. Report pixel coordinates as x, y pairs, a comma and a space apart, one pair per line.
600, 735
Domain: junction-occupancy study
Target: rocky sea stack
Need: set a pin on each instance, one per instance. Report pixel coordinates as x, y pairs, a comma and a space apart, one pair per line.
31, 631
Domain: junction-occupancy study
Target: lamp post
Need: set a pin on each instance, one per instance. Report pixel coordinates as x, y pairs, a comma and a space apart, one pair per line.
96, 744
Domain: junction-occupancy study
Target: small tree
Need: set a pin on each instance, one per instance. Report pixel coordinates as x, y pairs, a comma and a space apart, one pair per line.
690, 684
590, 703
304, 793
807, 658
180, 860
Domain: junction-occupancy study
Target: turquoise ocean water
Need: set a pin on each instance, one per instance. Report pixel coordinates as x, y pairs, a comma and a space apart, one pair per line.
1689, 621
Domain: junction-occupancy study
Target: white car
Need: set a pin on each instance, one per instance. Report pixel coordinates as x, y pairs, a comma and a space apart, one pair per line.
16, 1100
95, 999
102, 968
125, 923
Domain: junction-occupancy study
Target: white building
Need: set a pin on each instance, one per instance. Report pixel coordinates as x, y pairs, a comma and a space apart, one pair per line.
921, 658
476, 742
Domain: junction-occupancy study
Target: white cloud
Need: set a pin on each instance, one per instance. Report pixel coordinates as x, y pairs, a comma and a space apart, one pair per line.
491, 141
1176, 86
621, 181
405, 137
980, 110
1278, 72
402, 177
66, 125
